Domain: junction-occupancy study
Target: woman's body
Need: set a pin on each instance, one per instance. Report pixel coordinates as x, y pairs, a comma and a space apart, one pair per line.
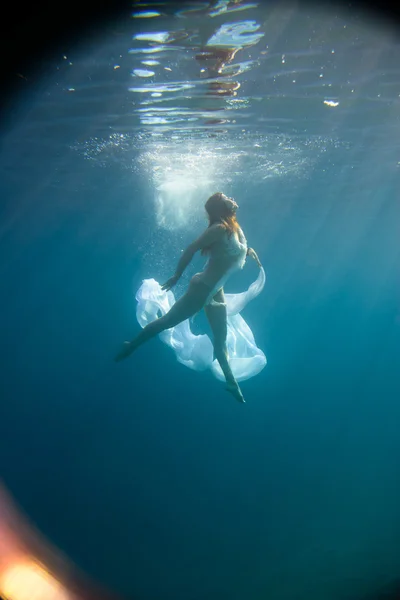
226, 246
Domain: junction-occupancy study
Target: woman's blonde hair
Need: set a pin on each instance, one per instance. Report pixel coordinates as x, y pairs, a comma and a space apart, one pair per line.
218, 211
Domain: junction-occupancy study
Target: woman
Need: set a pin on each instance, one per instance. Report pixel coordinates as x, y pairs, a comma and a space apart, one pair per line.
224, 242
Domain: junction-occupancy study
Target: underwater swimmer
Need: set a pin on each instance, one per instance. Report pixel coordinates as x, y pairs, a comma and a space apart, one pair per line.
226, 247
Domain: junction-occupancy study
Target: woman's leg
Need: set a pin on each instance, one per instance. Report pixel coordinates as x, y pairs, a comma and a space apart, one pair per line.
184, 308
216, 315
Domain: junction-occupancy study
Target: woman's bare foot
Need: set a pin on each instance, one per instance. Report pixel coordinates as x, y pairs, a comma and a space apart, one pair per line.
126, 351
236, 392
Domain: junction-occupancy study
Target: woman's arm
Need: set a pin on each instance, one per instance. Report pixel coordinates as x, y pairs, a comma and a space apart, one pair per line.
252, 253
210, 236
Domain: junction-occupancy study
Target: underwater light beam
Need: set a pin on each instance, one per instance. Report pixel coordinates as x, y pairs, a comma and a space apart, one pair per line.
182, 181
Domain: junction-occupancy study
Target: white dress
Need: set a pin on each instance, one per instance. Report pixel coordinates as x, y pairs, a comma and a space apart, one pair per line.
196, 351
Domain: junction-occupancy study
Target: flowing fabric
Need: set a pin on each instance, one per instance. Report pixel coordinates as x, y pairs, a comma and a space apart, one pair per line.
196, 351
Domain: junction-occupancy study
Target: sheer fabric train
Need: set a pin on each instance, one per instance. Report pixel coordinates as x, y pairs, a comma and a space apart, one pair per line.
196, 351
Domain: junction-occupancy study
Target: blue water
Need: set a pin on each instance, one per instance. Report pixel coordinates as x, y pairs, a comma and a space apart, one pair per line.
146, 474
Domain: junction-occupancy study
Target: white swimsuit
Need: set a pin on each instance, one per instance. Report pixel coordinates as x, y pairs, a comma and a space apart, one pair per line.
227, 255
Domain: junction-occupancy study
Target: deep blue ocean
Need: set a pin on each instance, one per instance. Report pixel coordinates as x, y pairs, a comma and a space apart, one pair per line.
146, 474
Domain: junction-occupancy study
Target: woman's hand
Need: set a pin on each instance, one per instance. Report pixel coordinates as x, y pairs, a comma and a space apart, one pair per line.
252, 253
170, 283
